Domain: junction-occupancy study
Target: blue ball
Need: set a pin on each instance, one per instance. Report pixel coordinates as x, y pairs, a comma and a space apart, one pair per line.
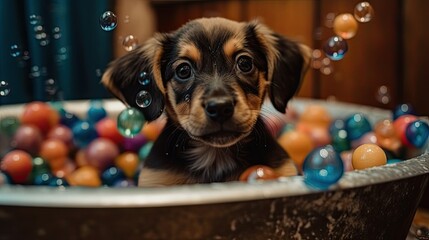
58, 182
96, 112
417, 133
356, 126
112, 175
393, 160
43, 179
68, 119
83, 133
322, 167
403, 109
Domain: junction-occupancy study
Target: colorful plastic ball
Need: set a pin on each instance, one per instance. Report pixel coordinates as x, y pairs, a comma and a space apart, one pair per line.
96, 112
18, 165
345, 25
357, 125
123, 183
86, 176
130, 122
66, 169
363, 12
80, 158
40, 166
401, 124
152, 130
101, 153
27, 138
403, 109
84, 132
322, 167
41, 115
417, 133
258, 173
368, 137
42, 179
9, 125
135, 143
62, 133
112, 175
107, 128
58, 182
335, 48
368, 155
387, 137
316, 116
55, 152
128, 162
297, 145
336, 126
340, 140
145, 150
68, 119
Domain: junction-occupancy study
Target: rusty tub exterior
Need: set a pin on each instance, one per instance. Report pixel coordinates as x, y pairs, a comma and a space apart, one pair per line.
376, 203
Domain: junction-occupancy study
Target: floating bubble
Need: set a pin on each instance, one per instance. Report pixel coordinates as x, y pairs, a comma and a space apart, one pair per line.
108, 21
61, 55
144, 79
335, 48
51, 88
345, 25
15, 50
56, 32
143, 99
35, 19
326, 67
4, 89
130, 42
34, 72
316, 59
40, 34
363, 12
126, 19
130, 122
322, 167
383, 95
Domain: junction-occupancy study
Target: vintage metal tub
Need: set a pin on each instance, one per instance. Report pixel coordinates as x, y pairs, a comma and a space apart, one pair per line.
377, 203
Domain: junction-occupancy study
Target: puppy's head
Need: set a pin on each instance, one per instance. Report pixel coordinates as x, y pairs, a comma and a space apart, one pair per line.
210, 76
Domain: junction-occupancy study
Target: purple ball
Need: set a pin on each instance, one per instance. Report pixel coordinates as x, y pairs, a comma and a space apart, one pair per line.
27, 138
101, 153
135, 143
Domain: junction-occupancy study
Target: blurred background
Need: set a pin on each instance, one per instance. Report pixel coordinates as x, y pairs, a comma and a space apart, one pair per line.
56, 49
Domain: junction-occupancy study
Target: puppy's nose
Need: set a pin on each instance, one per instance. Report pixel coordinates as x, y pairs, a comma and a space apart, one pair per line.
219, 109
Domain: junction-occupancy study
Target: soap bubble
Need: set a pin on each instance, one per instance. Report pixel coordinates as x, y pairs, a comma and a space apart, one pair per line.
316, 59
335, 48
143, 99
130, 122
326, 66
383, 94
34, 72
108, 21
144, 79
40, 34
35, 19
15, 50
56, 32
345, 25
126, 19
363, 12
4, 89
130, 42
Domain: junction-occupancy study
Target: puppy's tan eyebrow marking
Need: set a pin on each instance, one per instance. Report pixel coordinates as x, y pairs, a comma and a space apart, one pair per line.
232, 46
190, 51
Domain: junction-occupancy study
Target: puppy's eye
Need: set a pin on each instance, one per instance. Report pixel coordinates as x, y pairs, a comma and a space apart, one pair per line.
245, 63
183, 71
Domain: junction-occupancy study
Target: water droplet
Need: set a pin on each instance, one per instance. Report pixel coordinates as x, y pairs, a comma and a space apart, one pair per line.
363, 12
130, 42
335, 48
383, 94
56, 32
35, 19
144, 79
143, 99
4, 89
108, 21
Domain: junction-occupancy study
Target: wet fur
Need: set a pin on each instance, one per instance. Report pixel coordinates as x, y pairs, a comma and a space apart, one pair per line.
193, 148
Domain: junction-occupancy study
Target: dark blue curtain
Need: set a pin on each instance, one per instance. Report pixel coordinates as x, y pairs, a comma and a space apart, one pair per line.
52, 49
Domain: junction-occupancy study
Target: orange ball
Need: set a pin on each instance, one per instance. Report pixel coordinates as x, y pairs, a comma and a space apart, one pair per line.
18, 164
316, 115
55, 152
345, 25
152, 130
257, 173
386, 135
86, 176
297, 145
41, 115
66, 169
128, 162
368, 155
108, 128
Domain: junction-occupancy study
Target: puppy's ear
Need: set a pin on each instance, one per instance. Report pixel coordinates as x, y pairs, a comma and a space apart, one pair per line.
135, 78
287, 63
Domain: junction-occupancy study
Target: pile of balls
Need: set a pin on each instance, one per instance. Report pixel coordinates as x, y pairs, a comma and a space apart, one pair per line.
48, 145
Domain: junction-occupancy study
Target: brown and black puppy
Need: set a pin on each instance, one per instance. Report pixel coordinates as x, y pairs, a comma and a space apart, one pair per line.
210, 77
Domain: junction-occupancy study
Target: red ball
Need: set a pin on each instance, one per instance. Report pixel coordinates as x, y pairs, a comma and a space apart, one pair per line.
101, 153
107, 128
27, 138
41, 115
400, 125
55, 152
18, 165
61, 133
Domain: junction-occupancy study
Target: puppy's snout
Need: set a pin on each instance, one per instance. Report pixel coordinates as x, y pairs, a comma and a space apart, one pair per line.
219, 109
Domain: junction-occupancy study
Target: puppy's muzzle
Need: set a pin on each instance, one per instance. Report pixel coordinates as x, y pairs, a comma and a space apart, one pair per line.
219, 109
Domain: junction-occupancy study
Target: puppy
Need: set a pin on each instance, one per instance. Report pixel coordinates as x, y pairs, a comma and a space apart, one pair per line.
210, 77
